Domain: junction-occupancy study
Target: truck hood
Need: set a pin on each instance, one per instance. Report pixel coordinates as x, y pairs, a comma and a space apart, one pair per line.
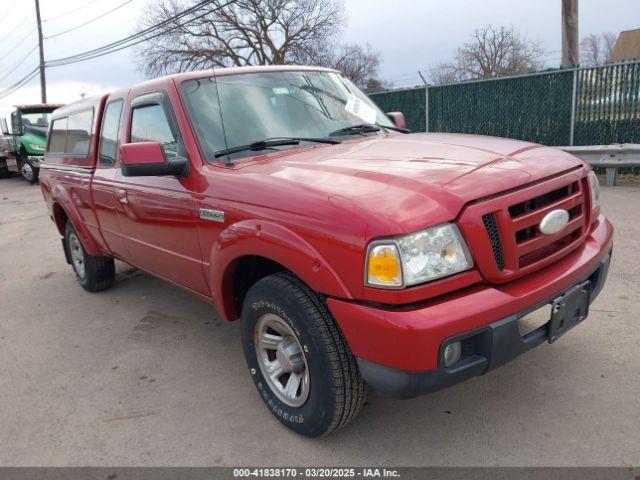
34, 136
406, 181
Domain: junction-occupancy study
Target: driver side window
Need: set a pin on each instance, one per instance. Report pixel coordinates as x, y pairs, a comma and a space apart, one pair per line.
149, 123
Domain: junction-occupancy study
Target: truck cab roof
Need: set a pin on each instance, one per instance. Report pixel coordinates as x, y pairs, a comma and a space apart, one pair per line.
38, 107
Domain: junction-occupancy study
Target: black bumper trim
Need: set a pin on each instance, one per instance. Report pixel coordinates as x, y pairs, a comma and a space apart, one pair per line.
491, 346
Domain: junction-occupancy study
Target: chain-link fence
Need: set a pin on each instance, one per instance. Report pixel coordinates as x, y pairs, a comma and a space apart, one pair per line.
582, 106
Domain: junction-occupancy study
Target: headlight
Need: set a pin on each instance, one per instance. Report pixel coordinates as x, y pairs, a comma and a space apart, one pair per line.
595, 189
37, 148
433, 253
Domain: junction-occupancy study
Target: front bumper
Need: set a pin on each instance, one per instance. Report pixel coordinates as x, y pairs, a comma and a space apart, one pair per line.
399, 351
36, 160
493, 346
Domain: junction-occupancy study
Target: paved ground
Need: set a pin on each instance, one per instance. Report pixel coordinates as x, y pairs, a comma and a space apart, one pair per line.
145, 374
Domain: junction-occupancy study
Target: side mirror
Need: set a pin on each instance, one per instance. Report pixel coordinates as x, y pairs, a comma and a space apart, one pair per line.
147, 159
3, 126
398, 119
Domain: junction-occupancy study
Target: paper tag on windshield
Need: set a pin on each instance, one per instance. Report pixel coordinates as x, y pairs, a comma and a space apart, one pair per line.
360, 109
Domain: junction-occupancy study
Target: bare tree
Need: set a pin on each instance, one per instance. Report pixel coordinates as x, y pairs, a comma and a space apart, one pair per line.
252, 32
376, 85
596, 49
492, 52
444, 73
359, 63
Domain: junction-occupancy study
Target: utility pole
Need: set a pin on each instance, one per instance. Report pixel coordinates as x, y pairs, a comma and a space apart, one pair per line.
43, 81
570, 53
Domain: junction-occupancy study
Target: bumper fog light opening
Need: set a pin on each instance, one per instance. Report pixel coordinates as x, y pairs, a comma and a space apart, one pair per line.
452, 354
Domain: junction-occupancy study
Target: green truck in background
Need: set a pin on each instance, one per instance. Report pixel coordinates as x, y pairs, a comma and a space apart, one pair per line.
22, 149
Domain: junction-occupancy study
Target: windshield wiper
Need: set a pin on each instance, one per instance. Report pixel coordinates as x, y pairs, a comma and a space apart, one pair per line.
366, 128
359, 128
273, 142
394, 128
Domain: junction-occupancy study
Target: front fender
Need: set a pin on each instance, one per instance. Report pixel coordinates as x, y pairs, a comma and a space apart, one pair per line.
273, 242
61, 196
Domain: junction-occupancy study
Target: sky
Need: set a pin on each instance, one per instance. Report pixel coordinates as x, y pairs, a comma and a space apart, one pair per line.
410, 35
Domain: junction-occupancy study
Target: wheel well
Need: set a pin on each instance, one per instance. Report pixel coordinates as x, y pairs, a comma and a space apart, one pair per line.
60, 217
248, 271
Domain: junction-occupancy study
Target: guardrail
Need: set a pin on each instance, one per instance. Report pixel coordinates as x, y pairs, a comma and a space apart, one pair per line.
610, 157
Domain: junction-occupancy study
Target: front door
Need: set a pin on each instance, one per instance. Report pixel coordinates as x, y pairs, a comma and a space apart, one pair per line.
158, 215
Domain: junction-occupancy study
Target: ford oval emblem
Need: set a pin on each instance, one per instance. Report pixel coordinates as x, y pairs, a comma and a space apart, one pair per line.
554, 221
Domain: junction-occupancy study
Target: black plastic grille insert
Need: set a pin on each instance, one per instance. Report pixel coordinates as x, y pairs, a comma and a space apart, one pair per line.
491, 226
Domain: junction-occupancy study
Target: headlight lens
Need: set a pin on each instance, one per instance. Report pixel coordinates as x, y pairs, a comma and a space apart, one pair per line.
37, 148
433, 253
595, 189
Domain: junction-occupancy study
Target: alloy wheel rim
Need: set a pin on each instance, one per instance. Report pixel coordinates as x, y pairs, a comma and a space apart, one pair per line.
77, 255
27, 171
282, 360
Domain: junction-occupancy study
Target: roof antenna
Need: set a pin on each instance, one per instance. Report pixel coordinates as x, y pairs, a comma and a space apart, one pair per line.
228, 162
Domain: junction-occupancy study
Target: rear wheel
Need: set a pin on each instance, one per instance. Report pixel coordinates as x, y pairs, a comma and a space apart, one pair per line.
298, 358
93, 273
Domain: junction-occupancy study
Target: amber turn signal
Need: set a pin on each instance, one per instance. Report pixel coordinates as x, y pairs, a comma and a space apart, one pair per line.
383, 267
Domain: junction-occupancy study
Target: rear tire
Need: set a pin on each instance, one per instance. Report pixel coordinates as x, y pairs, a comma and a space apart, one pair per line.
94, 274
287, 328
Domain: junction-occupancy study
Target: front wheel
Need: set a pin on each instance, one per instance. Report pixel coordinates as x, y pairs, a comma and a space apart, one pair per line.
29, 172
93, 273
298, 358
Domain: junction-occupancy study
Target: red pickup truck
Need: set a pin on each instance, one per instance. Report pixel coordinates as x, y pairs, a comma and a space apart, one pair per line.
353, 251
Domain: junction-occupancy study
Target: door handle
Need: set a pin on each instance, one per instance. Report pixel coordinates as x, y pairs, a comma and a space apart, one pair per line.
121, 193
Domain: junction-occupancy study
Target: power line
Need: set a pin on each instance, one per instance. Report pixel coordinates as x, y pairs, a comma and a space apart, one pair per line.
69, 12
20, 83
89, 21
132, 44
11, 49
8, 10
12, 68
136, 38
18, 25
121, 44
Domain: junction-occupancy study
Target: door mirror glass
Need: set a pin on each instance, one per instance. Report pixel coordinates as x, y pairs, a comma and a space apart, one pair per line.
16, 125
3, 126
144, 159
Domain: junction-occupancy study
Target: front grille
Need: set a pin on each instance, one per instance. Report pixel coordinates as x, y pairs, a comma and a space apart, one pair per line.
490, 224
542, 200
531, 244
511, 226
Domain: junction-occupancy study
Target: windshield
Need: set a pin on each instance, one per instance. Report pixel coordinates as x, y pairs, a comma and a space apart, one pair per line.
35, 119
234, 110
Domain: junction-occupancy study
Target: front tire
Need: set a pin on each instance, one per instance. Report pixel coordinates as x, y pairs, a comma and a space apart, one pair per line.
29, 172
298, 358
94, 274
